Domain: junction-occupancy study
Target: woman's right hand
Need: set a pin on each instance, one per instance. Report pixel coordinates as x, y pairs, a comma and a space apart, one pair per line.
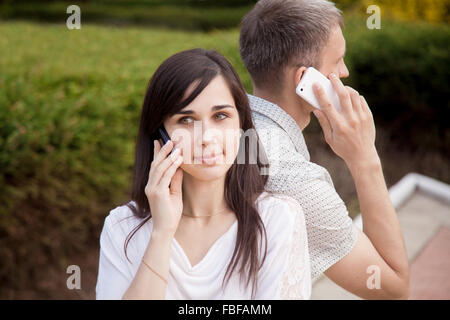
163, 189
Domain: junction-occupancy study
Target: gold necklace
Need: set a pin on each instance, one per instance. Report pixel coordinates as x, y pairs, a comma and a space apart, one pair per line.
211, 215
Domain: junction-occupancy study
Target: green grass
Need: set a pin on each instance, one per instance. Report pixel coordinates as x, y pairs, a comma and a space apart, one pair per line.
106, 51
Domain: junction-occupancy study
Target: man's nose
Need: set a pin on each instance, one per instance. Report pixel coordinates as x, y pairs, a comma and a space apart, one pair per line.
344, 72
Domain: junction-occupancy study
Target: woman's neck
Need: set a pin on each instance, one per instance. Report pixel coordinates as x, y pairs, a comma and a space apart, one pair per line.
203, 198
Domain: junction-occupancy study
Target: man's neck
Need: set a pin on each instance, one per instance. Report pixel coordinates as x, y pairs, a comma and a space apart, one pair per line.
298, 110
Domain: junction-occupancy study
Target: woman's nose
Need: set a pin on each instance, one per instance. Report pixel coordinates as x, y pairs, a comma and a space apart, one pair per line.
209, 132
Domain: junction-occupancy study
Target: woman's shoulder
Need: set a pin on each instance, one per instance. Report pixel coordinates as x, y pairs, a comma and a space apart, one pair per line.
122, 218
280, 209
270, 200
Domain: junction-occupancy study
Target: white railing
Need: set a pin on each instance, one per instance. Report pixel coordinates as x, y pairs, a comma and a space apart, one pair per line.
403, 189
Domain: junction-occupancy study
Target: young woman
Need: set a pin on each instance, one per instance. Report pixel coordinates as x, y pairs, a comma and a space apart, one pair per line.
200, 225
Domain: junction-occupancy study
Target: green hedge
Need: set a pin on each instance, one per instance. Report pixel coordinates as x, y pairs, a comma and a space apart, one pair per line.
185, 16
65, 153
404, 72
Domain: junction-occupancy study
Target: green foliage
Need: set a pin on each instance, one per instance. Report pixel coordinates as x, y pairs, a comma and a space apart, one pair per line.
403, 70
184, 15
414, 10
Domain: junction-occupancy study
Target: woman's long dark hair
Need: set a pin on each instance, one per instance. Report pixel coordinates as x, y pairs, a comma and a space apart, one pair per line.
243, 183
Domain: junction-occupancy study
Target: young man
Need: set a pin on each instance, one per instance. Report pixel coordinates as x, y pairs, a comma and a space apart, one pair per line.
279, 39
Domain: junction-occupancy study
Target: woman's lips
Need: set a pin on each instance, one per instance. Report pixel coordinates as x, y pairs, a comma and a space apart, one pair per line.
211, 159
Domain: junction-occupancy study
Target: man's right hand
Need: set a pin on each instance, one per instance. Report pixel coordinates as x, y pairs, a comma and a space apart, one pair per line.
351, 135
351, 132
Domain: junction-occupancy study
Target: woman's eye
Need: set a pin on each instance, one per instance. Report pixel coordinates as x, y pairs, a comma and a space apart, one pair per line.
185, 120
188, 120
221, 116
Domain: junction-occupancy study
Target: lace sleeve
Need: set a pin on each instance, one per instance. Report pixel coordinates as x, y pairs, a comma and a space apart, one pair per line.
296, 278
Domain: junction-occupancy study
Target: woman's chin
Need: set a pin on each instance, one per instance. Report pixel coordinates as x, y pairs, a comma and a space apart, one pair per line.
207, 173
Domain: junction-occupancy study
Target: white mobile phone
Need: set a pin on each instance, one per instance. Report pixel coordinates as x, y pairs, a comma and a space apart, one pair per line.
305, 88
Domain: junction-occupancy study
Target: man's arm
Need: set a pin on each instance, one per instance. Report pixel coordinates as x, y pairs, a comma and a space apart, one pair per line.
381, 245
351, 135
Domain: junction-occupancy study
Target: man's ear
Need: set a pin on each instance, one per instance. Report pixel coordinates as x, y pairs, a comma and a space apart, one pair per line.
299, 74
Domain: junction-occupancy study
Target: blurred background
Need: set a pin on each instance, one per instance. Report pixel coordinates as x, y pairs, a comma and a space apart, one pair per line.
70, 102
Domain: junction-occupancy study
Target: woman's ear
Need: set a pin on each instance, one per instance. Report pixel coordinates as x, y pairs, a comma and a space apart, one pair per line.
299, 74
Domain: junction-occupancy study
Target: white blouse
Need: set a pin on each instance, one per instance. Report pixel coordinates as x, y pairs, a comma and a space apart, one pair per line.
285, 274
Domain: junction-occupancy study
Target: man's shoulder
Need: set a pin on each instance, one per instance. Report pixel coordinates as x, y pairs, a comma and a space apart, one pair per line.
277, 143
261, 117
289, 166
268, 128
276, 127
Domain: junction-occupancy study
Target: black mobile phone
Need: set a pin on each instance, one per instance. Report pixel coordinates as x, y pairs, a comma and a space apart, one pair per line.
164, 136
